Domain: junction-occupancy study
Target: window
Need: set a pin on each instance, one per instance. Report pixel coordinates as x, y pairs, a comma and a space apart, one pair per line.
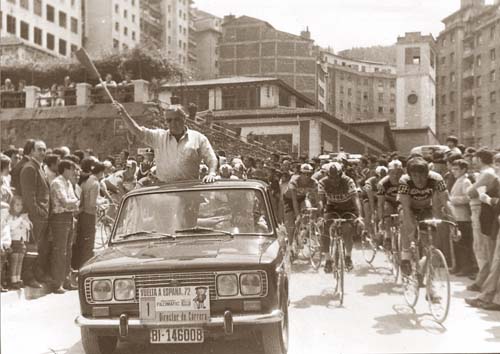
117, 26
184, 16
452, 117
50, 41
124, 46
125, 13
452, 37
492, 75
380, 84
443, 60
452, 57
62, 19
478, 60
133, 2
493, 54
493, 119
452, 77
349, 91
25, 30
169, 8
479, 81
349, 106
37, 36
393, 83
37, 7
492, 32
133, 18
117, 9
365, 82
50, 14
24, 4
380, 109
73, 48
116, 44
184, 30
412, 56
125, 30
452, 96
341, 89
180, 44
443, 99
393, 97
342, 76
11, 24
62, 47
376, 70
169, 39
479, 39
169, 24
184, 45
479, 101
133, 35
381, 97
493, 97
74, 25
412, 98
180, 29
180, 13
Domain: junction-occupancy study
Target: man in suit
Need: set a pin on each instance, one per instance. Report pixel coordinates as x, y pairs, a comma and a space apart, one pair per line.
35, 194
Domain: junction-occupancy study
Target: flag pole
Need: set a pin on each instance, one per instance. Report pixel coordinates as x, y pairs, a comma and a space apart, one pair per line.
84, 58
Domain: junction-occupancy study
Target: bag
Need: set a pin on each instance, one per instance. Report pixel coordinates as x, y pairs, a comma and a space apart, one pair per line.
488, 220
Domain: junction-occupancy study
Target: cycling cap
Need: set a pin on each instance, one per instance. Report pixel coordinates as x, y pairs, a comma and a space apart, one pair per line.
381, 171
417, 165
306, 168
395, 165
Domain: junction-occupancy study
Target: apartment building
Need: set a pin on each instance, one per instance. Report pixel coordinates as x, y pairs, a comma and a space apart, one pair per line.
208, 32
468, 84
356, 90
111, 25
253, 47
33, 29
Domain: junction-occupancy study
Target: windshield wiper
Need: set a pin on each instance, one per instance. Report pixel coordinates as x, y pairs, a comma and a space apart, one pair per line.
155, 233
201, 229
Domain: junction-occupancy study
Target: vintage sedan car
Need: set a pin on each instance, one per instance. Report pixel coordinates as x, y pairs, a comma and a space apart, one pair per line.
187, 262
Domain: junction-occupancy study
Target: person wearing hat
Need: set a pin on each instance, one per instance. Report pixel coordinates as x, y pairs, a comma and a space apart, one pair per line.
300, 187
452, 143
146, 165
178, 150
338, 194
369, 196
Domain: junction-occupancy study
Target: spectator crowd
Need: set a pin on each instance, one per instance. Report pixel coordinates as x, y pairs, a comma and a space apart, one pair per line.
50, 198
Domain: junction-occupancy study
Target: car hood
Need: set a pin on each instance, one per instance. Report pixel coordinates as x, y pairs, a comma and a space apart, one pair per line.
188, 253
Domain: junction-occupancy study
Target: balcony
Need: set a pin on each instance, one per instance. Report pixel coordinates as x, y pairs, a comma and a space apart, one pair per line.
468, 52
469, 73
469, 113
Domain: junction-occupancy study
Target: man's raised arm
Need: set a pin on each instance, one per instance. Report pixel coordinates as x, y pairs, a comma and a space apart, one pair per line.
131, 124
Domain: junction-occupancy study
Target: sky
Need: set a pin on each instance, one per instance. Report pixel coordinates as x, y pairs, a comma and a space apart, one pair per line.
343, 24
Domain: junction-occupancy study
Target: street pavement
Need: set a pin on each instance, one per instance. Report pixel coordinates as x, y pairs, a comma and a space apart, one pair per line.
374, 319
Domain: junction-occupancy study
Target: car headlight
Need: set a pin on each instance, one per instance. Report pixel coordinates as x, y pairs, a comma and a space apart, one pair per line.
124, 289
250, 284
102, 290
227, 285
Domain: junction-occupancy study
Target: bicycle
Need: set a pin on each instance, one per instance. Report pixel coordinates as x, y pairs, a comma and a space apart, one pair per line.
104, 225
307, 233
434, 269
393, 254
337, 249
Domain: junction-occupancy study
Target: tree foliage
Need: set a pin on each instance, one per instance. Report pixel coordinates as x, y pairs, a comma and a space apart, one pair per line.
140, 62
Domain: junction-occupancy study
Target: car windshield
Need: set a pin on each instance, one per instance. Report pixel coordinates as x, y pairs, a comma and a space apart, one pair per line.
177, 214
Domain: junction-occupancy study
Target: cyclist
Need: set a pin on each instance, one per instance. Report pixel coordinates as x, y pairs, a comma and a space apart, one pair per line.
338, 194
368, 195
294, 198
422, 194
387, 203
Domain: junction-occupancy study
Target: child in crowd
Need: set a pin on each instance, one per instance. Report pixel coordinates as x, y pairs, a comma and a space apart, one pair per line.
5, 243
20, 227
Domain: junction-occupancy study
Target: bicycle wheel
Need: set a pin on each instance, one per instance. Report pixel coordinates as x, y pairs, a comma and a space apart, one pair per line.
315, 254
393, 254
438, 285
368, 247
103, 234
339, 269
411, 288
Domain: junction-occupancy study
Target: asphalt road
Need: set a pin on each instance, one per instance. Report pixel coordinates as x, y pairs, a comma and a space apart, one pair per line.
374, 319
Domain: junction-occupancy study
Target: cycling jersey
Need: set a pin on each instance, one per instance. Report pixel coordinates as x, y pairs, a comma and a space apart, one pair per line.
421, 198
340, 196
302, 186
388, 190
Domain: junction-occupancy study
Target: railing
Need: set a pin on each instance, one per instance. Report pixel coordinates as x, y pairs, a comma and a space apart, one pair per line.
66, 97
12, 99
120, 93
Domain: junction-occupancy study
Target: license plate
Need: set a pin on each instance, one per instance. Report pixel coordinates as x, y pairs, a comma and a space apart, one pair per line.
177, 335
175, 305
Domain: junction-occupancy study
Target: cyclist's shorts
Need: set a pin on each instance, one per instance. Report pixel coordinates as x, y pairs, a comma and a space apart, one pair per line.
330, 209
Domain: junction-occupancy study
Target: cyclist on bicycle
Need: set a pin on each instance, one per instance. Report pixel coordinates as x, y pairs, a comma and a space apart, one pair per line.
338, 194
368, 196
387, 202
422, 194
294, 198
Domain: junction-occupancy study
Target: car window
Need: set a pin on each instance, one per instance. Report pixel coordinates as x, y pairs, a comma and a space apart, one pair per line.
239, 211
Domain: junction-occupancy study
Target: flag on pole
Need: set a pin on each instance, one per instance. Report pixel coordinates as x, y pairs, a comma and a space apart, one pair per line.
84, 59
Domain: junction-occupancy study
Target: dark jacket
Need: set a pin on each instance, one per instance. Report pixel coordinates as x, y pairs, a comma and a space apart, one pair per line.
35, 190
15, 182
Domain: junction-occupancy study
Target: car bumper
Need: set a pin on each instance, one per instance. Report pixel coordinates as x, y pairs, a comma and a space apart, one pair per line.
123, 324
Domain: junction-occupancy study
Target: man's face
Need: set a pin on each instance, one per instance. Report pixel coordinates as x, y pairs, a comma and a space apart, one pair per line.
70, 174
175, 122
477, 162
39, 151
457, 171
497, 168
450, 144
334, 177
420, 179
14, 159
395, 175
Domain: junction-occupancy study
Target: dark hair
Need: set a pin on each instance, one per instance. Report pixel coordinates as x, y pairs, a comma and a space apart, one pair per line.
461, 163
51, 159
470, 150
29, 145
453, 139
461, 147
86, 164
98, 167
417, 165
372, 158
80, 154
485, 155
65, 165
4, 162
453, 157
73, 158
58, 151
221, 153
383, 162
126, 153
10, 152
90, 152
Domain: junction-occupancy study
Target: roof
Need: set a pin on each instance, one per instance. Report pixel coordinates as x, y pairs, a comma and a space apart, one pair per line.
381, 122
199, 185
235, 80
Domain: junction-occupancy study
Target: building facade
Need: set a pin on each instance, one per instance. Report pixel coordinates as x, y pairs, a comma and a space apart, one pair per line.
253, 47
416, 81
356, 90
39, 29
111, 25
468, 84
208, 32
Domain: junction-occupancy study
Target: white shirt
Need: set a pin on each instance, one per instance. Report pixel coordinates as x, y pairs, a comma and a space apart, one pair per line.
180, 161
